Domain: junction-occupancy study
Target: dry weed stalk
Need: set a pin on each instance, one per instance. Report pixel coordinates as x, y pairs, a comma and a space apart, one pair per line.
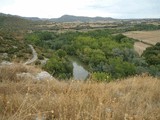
135, 98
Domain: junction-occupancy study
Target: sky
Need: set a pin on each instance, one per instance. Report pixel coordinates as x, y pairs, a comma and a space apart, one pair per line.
92, 8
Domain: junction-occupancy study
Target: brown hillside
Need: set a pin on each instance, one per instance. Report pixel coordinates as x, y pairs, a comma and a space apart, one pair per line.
136, 98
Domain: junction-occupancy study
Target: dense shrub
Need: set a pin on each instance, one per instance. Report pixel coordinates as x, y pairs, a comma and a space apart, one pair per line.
59, 67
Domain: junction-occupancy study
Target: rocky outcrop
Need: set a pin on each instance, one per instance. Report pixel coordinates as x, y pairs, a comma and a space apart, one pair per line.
25, 76
5, 63
23, 72
44, 76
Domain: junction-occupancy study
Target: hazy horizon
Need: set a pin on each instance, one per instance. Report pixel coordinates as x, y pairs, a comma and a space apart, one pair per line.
121, 9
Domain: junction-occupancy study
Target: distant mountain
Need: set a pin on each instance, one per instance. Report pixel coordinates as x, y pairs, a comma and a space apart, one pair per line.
71, 18
32, 18
64, 18
67, 18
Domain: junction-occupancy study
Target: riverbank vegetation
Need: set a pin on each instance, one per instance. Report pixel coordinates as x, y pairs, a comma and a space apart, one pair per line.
104, 53
152, 57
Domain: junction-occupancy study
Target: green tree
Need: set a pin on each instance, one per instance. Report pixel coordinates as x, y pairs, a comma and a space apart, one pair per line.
100, 76
61, 53
60, 68
152, 55
119, 68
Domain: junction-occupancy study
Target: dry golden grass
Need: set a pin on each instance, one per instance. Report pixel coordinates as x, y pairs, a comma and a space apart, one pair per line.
136, 98
140, 47
151, 37
9, 72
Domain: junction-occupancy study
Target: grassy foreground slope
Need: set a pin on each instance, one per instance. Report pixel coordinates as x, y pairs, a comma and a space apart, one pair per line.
135, 98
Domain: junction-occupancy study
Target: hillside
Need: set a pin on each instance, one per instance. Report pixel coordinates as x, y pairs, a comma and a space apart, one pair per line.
12, 22
13, 47
8, 19
71, 18
135, 98
118, 85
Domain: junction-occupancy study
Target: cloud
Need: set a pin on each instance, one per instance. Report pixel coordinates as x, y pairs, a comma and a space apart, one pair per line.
57, 8
129, 8
47, 8
5, 2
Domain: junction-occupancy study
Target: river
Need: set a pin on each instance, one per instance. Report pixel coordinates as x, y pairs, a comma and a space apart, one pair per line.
79, 71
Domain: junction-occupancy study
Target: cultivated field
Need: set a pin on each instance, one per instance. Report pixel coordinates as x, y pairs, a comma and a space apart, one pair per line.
151, 37
140, 47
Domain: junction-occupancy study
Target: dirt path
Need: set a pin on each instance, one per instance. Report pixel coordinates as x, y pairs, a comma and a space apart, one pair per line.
34, 58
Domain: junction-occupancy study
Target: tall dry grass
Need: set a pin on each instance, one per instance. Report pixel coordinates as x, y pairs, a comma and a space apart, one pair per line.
136, 98
10, 72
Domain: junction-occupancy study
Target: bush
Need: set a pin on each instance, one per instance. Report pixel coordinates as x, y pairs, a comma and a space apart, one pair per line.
100, 76
40, 57
60, 68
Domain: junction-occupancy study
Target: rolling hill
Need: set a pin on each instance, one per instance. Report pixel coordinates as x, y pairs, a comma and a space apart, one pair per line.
71, 18
14, 23
65, 18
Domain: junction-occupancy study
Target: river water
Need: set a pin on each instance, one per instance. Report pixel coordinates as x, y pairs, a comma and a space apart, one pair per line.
79, 73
